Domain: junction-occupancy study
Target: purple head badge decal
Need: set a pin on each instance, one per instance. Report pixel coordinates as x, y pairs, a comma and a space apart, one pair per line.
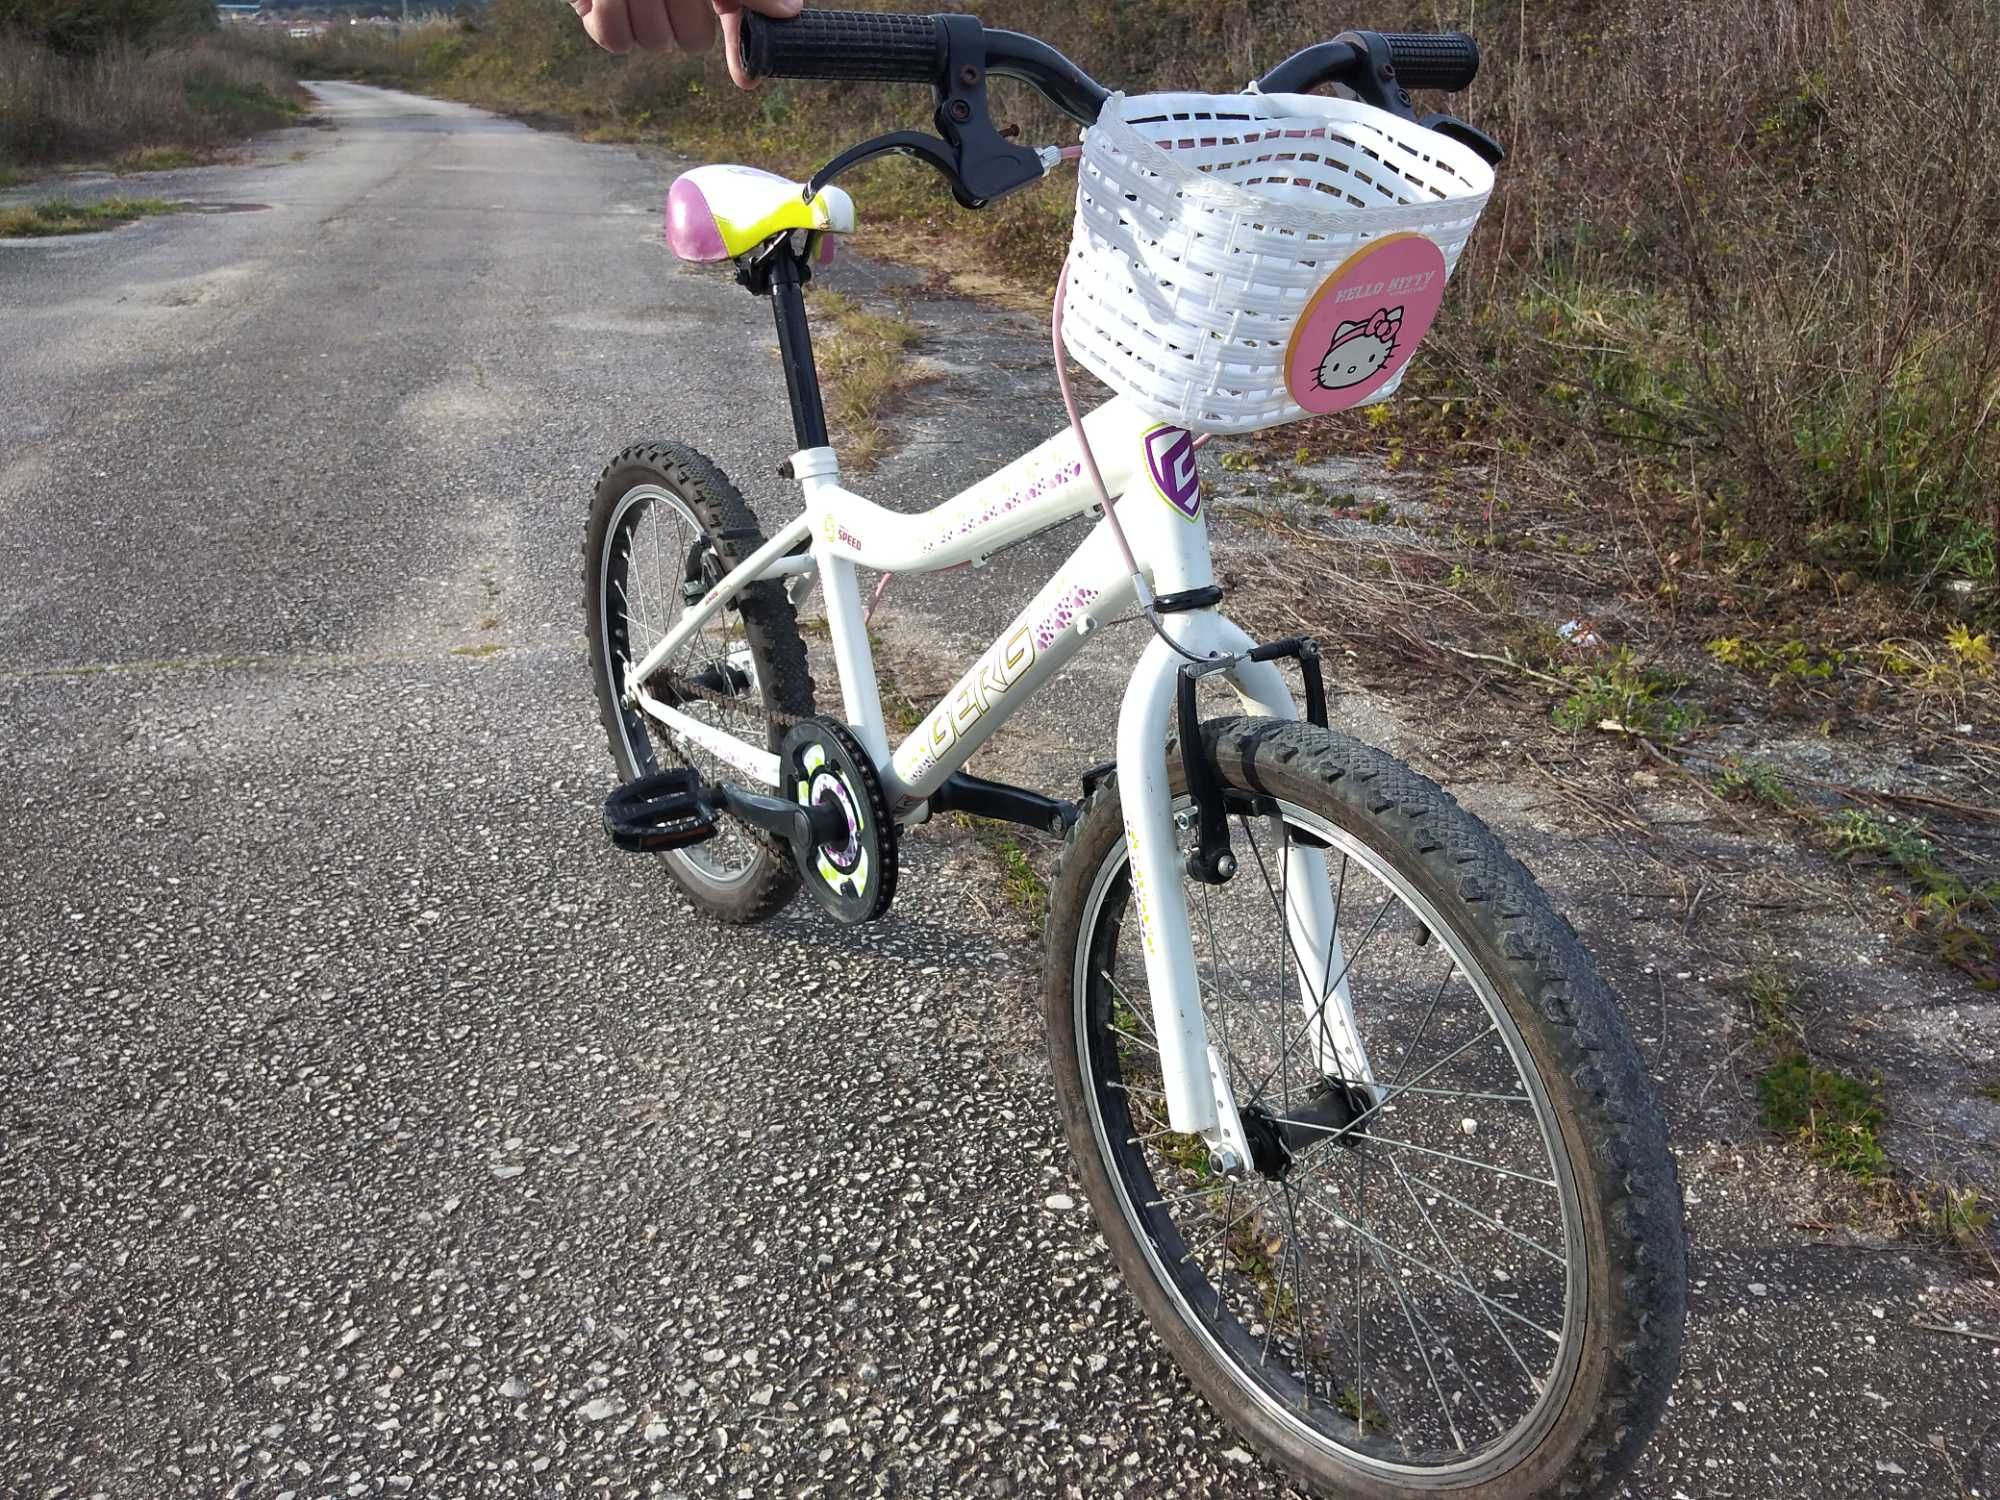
1170, 460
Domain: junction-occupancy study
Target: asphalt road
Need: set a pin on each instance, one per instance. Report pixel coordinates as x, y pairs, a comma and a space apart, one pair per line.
369, 1126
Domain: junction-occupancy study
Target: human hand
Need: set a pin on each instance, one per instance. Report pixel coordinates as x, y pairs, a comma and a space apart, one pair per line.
675, 25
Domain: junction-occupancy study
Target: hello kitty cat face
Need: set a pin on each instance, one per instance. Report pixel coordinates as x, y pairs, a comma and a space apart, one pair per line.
1359, 349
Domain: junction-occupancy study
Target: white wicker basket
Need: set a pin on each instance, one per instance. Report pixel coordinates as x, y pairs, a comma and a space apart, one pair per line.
1242, 260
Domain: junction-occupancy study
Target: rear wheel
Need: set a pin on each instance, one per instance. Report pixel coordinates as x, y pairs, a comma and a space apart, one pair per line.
1476, 1284
665, 526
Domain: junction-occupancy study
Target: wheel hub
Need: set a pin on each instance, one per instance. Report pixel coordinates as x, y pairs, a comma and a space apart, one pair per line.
1336, 1112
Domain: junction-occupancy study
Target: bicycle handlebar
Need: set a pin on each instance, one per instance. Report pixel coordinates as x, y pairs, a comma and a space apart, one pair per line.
956, 54
1444, 60
847, 46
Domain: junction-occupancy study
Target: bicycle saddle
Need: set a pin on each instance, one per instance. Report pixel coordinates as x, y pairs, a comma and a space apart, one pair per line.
721, 212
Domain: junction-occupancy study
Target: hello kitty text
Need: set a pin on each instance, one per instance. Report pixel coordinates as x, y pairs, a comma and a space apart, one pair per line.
1395, 287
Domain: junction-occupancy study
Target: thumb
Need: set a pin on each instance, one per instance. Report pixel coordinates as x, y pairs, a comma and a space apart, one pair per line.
731, 12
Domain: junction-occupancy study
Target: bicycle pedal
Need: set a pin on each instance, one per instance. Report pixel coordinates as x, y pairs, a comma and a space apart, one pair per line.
666, 810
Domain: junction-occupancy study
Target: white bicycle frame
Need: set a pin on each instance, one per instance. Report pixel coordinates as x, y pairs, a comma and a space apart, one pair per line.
1142, 463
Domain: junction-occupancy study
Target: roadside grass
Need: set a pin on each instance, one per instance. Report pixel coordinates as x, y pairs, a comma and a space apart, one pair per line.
864, 365
1952, 912
1021, 886
235, 98
159, 159
54, 216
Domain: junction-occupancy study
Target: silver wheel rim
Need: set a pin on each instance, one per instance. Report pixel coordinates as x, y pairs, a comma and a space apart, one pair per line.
1350, 1426
657, 609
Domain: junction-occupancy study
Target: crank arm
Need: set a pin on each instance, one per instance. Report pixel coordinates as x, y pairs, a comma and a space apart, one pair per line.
803, 827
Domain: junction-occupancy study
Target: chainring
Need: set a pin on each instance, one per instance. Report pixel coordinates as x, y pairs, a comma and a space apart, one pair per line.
820, 761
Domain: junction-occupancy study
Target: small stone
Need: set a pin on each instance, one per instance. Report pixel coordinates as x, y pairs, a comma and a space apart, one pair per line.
600, 1409
762, 1395
656, 1431
513, 1388
1235, 1456
1758, 1289
1060, 1202
1469, 1126
503, 1173
836, 1428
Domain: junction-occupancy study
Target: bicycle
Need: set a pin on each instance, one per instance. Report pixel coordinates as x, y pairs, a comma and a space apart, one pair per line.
1359, 1121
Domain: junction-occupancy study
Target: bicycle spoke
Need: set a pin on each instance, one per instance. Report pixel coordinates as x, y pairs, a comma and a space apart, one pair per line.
1319, 1001
1423, 1353
1431, 1270
1187, 1197
1491, 1222
1144, 1015
1424, 1025
1467, 1094
1299, 1299
1384, 1140
1335, 1134
1459, 1266
1137, 1041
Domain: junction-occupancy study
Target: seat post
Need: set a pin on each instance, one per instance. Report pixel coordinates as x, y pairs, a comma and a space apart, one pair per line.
787, 275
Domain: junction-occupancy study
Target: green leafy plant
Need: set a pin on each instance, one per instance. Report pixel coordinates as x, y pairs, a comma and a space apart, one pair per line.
1834, 1116
1626, 694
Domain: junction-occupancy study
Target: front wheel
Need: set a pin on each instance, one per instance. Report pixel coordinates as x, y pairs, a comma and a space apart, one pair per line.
1474, 1286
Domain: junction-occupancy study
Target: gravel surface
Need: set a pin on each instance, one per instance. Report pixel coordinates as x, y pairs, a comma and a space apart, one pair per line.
371, 1127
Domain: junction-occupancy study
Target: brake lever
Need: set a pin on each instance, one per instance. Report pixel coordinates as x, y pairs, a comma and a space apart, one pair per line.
1467, 135
978, 162
915, 143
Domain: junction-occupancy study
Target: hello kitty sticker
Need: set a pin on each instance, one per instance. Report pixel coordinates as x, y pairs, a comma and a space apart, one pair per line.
1360, 328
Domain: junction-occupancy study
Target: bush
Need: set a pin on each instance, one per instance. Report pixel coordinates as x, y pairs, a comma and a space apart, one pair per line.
124, 100
1771, 250
83, 27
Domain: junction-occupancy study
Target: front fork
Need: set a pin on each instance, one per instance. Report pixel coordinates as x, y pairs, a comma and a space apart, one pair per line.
1200, 1095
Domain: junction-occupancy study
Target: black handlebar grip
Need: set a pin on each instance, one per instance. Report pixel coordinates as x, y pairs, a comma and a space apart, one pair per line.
1447, 60
845, 46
